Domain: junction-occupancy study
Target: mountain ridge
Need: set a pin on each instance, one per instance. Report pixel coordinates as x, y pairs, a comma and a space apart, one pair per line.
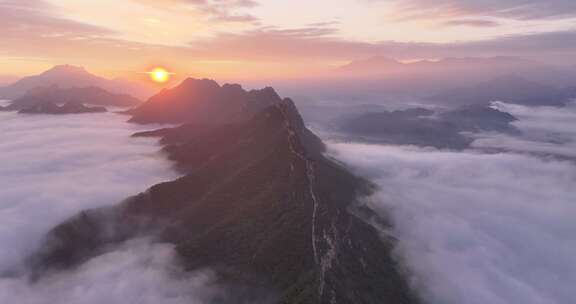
203, 101
261, 205
382, 65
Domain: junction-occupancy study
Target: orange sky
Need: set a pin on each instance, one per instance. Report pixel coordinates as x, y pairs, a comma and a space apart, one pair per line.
272, 38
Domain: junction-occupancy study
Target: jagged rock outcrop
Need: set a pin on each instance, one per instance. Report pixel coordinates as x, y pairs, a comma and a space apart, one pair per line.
204, 101
261, 205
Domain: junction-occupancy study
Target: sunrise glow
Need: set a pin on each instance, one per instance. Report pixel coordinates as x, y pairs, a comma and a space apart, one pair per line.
159, 75
259, 128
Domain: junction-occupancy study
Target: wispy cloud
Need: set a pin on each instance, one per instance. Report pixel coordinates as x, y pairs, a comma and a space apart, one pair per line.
226, 10
216, 10
471, 23
512, 9
37, 17
268, 43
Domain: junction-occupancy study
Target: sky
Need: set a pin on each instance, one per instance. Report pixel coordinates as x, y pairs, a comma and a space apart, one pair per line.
273, 38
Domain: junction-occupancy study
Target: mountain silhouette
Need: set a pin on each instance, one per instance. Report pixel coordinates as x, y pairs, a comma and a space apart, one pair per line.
68, 76
380, 65
442, 129
203, 101
372, 65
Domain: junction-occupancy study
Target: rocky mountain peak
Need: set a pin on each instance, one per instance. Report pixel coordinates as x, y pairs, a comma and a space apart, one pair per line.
66, 69
204, 101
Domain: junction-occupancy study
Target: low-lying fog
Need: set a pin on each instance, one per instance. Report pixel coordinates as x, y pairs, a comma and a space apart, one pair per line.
52, 167
476, 227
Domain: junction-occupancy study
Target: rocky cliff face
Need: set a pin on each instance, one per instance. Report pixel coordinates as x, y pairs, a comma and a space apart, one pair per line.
259, 204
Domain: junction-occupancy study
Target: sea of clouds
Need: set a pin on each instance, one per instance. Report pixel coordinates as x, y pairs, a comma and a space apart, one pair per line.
476, 227
52, 167
545, 131
473, 227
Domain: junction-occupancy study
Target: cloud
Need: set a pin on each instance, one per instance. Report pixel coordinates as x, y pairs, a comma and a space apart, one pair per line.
52, 167
64, 165
136, 272
512, 9
543, 45
38, 23
216, 10
545, 130
225, 10
228, 4
62, 40
271, 43
471, 23
37, 17
476, 228
268, 43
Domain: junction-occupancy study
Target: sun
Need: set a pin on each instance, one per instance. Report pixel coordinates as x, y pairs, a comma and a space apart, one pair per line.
159, 75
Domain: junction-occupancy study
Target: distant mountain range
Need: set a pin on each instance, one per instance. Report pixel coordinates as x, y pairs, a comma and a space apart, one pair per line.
441, 129
67, 76
56, 95
388, 77
259, 204
374, 66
